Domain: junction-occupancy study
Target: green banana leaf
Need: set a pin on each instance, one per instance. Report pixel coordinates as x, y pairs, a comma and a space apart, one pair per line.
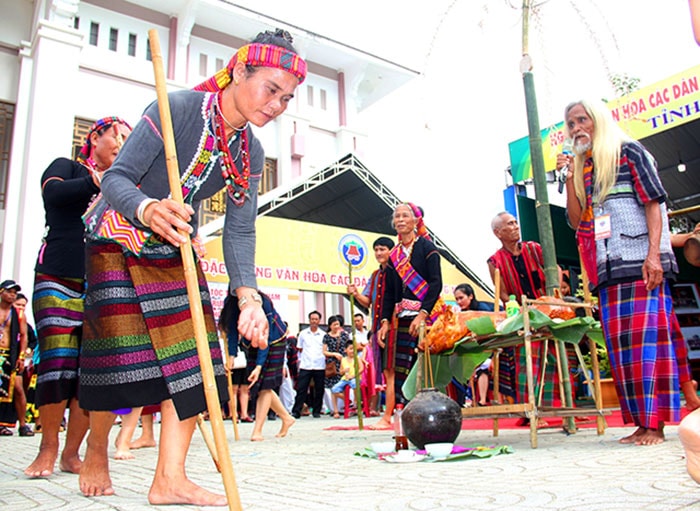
445, 367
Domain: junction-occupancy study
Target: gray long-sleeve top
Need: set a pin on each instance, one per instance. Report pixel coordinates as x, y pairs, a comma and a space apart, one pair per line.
139, 172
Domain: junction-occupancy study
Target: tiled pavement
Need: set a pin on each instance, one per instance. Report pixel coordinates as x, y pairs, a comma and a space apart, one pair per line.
314, 469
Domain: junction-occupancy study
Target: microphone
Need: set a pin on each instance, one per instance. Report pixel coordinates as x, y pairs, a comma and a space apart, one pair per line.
568, 149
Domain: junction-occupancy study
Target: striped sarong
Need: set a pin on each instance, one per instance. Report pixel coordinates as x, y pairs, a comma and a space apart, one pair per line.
378, 360
685, 374
637, 326
271, 372
405, 355
507, 373
138, 338
57, 304
550, 393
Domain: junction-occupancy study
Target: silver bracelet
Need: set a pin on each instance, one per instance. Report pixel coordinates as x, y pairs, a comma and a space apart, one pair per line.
142, 209
244, 299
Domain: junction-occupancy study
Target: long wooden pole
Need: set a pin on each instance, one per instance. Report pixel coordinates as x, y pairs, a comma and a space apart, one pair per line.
233, 396
208, 441
356, 363
200, 332
497, 354
587, 298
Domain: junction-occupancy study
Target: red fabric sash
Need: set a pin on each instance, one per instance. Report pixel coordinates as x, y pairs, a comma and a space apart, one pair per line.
585, 234
503, 260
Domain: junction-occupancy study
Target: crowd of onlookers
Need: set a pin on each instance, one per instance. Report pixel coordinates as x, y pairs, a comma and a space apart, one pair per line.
316, 370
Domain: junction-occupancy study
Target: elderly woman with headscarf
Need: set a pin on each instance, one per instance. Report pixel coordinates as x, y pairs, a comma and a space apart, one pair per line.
67, 188
413, 287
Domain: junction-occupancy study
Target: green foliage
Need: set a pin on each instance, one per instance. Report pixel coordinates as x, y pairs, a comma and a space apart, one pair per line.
623, 83
603, 362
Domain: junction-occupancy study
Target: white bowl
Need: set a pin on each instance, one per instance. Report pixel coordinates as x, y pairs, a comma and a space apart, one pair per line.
441, 450
404, 455
382, 447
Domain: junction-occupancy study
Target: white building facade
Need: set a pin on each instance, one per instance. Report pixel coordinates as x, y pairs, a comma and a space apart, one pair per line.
66, 63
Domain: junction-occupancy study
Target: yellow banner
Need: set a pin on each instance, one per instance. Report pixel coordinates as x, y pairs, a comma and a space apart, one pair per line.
661, 106
653, 109
313, 257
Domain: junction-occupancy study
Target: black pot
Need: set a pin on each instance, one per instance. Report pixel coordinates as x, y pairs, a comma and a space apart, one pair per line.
431, 417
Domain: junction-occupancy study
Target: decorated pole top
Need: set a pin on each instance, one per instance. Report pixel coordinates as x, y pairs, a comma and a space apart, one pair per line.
353, 251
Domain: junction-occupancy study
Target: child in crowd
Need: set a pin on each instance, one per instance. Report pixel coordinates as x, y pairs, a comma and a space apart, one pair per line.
347, 372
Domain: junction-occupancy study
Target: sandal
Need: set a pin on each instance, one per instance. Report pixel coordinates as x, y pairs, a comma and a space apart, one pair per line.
5, 431
26, 430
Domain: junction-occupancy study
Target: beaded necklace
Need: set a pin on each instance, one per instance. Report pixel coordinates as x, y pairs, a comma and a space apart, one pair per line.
237, 183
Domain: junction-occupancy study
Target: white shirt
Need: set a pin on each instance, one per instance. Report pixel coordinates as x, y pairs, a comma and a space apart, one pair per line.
311, 346
362, 337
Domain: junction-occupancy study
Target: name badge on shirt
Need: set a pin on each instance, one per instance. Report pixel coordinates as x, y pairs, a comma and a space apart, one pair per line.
602, 227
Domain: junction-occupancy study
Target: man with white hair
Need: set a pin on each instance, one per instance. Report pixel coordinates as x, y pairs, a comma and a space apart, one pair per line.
521, 268
616, 202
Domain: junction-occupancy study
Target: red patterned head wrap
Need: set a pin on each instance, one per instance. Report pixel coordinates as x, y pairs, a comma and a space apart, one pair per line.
99, 127
421, 229
257, 54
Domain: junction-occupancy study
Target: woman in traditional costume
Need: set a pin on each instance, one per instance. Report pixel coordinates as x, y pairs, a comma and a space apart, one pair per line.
139, 345
67, 188
265, 365
413, 286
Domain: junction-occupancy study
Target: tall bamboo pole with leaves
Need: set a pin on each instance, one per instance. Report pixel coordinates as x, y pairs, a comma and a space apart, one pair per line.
544, 218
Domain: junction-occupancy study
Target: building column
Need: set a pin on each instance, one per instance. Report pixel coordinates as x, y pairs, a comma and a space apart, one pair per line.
49, 89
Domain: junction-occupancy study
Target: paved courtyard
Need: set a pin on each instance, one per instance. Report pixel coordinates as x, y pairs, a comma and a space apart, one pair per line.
315, 469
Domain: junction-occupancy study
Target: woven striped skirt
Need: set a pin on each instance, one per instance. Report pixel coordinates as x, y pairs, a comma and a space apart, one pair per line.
138, 337
405, 355
378, 360
637, 325
57, 304
271, 373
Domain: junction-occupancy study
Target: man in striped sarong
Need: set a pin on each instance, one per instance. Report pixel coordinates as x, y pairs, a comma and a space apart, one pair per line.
616, 202
521, 267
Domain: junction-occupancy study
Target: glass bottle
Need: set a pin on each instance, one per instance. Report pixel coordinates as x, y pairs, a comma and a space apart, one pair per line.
401, 440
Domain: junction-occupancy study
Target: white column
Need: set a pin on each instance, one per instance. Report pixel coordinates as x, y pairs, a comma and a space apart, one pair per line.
49, 90
16, 180
185, 21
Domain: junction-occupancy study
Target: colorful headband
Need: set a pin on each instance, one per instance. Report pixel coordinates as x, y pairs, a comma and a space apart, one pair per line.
421, 229
99, 126
257, 54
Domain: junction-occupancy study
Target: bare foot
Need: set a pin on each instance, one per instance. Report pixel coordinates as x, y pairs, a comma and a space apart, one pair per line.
123, 455
183, 491
652, 436
380, 424
256, 438
122, 445
94, 473
44, 463
631, 439
142, 442
70, 463
287, 422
